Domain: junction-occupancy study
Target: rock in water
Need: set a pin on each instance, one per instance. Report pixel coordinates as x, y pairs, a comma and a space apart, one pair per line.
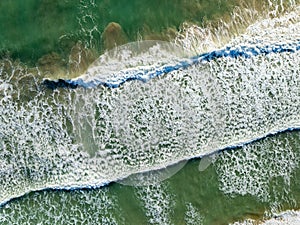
113, 35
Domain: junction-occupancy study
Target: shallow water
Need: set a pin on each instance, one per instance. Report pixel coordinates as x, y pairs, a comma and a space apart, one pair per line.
41, 27
214, 196
83, 138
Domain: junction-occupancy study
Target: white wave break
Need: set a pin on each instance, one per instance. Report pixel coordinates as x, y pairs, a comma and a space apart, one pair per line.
86, 138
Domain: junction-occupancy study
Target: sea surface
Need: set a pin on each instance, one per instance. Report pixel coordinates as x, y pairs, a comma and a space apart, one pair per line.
158, 112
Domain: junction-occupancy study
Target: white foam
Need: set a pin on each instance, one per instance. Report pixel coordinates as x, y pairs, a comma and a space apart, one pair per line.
192, 215
86, 138
289, 217
55, 208
157, 203
251, 169
132, 59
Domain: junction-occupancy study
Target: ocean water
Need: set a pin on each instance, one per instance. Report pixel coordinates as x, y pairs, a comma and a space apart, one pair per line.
211, 142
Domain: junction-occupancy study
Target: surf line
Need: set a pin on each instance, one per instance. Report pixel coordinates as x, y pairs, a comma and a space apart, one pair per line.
95, 186
145, 75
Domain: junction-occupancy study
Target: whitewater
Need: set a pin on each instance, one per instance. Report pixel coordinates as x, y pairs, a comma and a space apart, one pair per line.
99, 128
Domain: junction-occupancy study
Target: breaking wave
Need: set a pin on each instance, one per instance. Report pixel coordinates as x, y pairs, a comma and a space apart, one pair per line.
86, 138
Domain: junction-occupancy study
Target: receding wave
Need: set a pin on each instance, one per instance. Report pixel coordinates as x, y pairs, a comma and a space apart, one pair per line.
81, 138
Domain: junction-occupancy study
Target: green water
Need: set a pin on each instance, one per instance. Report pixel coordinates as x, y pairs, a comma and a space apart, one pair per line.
232, 188
31, 29
190, 195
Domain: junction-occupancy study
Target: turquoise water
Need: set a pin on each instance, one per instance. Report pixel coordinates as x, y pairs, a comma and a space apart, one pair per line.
51, 138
